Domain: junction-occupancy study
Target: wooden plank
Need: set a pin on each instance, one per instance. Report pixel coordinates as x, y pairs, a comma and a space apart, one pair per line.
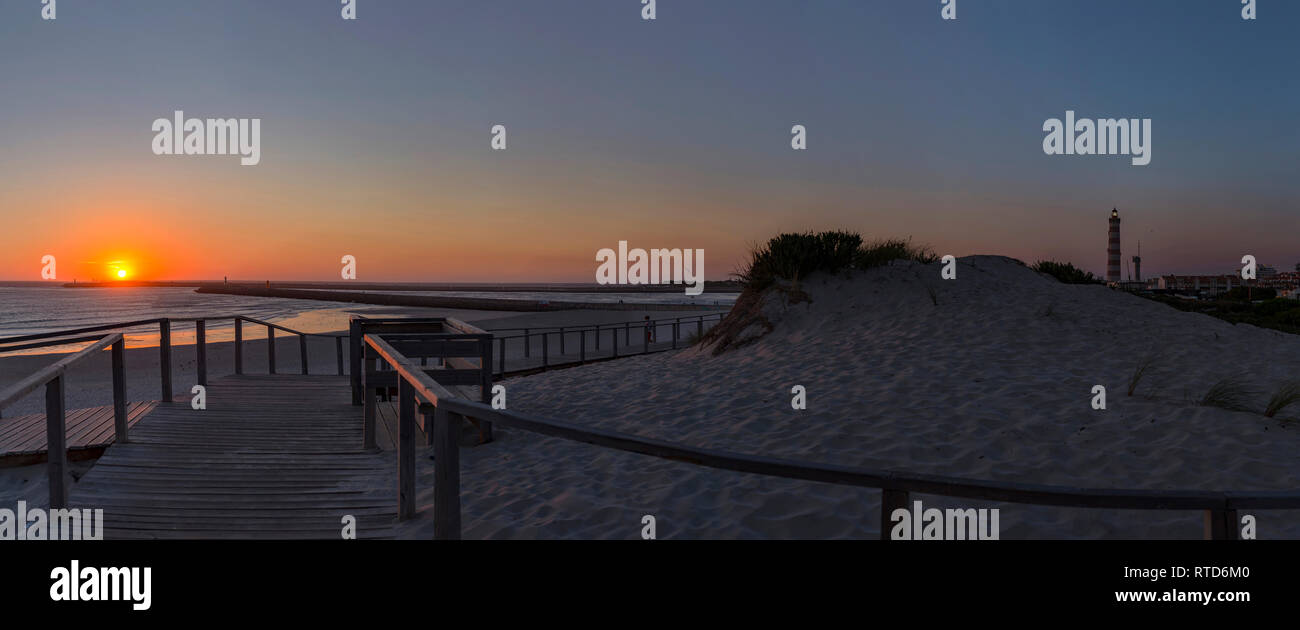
88, 430
165, 357
406, 451
121, 420
890, 500
239, 345
56, 432
258, 463
446, 481
201, 351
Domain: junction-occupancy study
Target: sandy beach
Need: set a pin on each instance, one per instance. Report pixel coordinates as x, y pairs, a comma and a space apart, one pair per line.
989, 377
991, 382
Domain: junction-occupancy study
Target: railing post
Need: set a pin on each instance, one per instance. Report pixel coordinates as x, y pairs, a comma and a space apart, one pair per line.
354, 358
561, 340
645, 338
613, 336
405, 450
239, 346
368, 401
1221, 524
302, 351
890, 500
270, 348
676, 326
119, 392
56, 444
582, 346
546, 362
627, 334
165, 357
528, 344
446, 475
201, 351
485, 386
338, 351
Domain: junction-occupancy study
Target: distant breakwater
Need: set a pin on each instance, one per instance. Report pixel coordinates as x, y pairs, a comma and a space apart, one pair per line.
710, 286
437, 301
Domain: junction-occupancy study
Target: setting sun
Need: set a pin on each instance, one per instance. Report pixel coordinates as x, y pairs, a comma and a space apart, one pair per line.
121, 273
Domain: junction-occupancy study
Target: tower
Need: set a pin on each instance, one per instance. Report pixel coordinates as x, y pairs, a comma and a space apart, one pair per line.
1137, 264
1112, 249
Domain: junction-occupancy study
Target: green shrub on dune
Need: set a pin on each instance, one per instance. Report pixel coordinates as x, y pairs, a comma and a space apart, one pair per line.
795, 256
1065, 272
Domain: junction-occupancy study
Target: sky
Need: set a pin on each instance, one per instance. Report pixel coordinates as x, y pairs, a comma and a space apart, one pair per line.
676, 132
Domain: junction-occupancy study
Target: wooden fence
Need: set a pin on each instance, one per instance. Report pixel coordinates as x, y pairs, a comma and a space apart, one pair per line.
420, 394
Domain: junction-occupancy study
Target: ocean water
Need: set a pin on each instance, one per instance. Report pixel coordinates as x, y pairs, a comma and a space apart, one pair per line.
722, 300
33, 310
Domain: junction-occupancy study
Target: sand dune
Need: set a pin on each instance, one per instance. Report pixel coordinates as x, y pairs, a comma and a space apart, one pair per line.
988, 376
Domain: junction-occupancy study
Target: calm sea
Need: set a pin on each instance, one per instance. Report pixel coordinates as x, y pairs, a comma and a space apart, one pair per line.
32, 310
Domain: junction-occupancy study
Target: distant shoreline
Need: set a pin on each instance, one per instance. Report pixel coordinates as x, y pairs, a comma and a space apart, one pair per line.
714, 286
431, 301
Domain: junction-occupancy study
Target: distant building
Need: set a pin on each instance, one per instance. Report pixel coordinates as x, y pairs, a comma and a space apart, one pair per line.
1279, 280
1112, 248
1284, 282
1210, 285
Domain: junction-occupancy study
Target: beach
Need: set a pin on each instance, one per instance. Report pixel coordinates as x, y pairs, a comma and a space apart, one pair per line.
989, 378
992, 382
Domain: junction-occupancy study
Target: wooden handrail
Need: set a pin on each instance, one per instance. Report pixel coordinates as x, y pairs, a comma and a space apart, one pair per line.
78, 331
1220, 507
1011, 492
50, 342
56, 430
424, 387
50, 372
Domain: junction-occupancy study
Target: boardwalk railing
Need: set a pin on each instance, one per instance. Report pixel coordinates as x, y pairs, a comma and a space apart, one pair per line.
421, 393
385, 346
71, 336
642, 330
56, 431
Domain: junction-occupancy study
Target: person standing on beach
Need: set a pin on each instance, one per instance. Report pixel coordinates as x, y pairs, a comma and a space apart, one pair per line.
649, 331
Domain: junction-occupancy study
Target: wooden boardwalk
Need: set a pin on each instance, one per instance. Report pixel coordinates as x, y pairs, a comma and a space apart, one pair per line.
272, 456
23, 438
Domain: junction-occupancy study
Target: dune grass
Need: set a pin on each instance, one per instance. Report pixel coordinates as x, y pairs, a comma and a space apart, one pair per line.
1230, 393
793, 256
1143, 366
1287, 393
1065, 272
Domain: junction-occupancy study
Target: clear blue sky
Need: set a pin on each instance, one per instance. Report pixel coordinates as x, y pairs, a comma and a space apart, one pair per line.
672, 133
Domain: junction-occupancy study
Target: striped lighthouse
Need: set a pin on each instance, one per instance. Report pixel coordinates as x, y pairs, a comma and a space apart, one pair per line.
1112, 248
